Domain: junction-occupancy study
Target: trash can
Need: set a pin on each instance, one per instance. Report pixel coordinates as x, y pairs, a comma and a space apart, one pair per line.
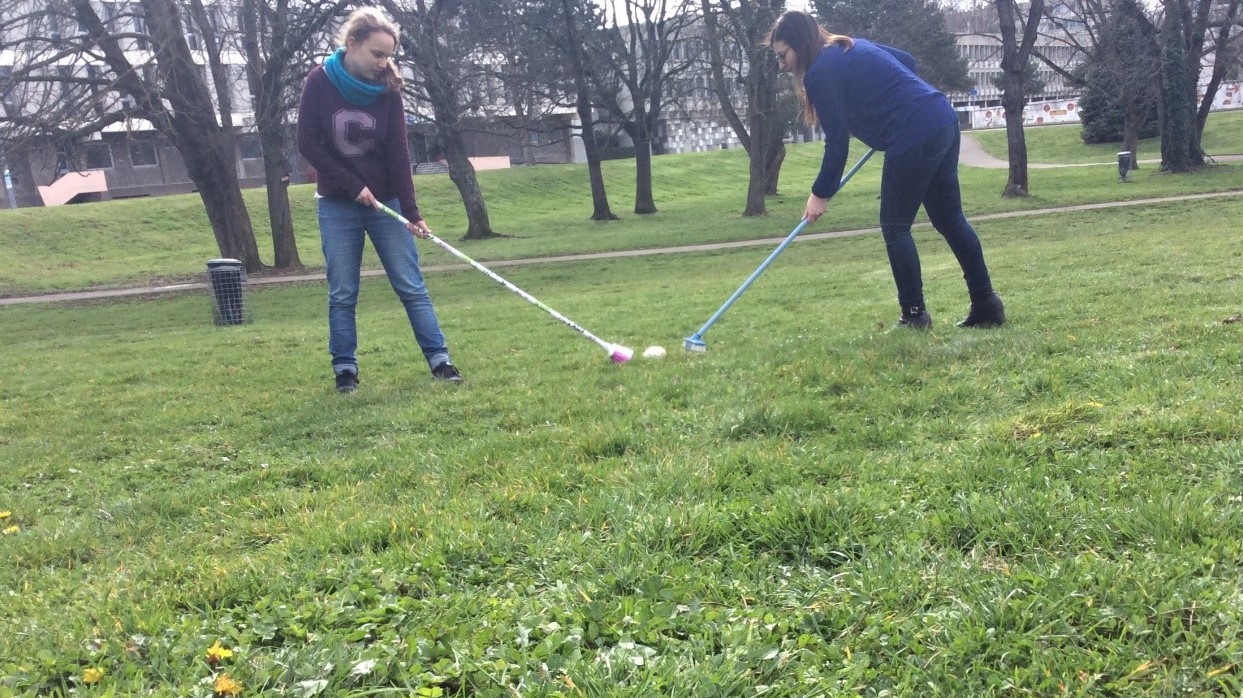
1124, 164
227, 279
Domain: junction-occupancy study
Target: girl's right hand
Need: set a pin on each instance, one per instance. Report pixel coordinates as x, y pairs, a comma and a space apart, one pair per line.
366, 198
815, 208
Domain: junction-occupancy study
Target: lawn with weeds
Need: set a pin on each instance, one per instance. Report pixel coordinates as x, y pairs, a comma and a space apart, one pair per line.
817, 506
543, 211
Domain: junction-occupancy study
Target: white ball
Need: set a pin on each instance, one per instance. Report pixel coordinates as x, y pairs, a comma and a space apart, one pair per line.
653, 352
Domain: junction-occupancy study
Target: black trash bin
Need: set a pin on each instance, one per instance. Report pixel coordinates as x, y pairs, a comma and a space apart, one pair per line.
1125, 165
227, 278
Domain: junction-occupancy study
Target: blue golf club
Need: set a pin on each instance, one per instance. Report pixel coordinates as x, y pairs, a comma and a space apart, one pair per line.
696, 342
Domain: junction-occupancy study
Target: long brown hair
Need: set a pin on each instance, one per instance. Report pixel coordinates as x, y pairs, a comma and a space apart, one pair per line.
806, 38
364, 22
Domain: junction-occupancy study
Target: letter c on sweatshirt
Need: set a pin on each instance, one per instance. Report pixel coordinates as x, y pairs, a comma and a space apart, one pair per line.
348, 129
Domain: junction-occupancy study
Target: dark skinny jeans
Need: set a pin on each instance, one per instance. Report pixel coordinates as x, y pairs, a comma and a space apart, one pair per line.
928, 174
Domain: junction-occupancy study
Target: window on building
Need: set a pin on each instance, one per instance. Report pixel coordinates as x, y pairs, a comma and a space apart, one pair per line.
98, 156
239, 89
249, 146
143, 153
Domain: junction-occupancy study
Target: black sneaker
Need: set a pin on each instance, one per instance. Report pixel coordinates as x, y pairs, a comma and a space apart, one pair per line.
920, 320
347, 382
446, 372
985, 313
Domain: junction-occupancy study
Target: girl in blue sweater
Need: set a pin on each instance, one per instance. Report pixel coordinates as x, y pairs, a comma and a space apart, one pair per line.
870, 91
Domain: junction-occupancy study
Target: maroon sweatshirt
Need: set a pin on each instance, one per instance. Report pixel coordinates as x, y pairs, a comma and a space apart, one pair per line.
352, 146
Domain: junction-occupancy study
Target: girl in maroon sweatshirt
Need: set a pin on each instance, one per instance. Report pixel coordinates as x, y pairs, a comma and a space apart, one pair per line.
352, 130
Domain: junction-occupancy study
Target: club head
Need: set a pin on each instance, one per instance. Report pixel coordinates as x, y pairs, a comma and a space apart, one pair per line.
620, 354
694, 343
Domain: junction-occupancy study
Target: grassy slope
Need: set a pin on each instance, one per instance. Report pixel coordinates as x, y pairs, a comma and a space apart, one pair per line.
543, 209
1062, 144
814, 507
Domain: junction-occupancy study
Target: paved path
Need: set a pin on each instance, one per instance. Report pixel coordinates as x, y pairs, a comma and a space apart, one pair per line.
651, 251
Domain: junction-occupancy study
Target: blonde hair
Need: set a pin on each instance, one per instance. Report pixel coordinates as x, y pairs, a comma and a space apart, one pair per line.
364, 22
806, 38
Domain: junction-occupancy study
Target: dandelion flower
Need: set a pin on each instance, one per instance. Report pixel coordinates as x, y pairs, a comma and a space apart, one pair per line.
92, 675
217, 653
11, 530
226, 685
5, 514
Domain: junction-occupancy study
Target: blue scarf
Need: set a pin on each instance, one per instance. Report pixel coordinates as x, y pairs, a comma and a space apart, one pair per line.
354, 91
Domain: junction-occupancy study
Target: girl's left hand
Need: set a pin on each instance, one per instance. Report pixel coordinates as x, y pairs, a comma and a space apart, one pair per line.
419, 229
815, 208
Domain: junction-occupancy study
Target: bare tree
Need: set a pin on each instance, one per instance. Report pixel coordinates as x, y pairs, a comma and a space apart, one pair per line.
1184, 29
572, 12
1226, 50
278, 43
1189, 25
739, 27
638, 48
426, 41
99, 85
1180, 151
1127, 56
1018, 37
519, 68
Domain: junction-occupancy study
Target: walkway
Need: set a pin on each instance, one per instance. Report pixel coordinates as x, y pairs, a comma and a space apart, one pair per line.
651, 251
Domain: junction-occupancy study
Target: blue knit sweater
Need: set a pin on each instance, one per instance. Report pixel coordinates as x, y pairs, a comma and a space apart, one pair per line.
871, 92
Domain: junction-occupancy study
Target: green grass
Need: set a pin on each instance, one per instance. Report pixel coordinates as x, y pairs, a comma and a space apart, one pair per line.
1062, 143
815, 507
544, 210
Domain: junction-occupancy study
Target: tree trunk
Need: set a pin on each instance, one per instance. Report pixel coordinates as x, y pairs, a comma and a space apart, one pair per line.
1016, 54
773, 167
765, 134
213, 172
424, 47
600, 210
1178, 96
599, 197
276, 176
757, 180
219, 74
1012, 101
462, 173
749, 22
1132, 122
193, 128
26, 190
274, 140
643, 201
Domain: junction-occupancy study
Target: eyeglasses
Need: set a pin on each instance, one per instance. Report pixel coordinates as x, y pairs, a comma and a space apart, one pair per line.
782, 55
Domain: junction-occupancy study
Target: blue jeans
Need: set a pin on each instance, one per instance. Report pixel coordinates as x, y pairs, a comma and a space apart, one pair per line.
927, 174
342, 225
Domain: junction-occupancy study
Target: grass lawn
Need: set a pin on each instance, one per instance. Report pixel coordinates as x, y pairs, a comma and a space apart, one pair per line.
814, 507
1062, 143
544, 211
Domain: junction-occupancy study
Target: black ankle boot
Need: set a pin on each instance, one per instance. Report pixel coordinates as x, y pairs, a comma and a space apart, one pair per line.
915, 319
987, 312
